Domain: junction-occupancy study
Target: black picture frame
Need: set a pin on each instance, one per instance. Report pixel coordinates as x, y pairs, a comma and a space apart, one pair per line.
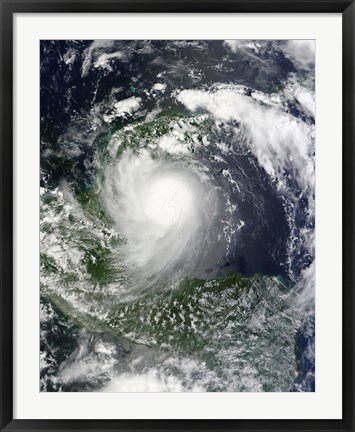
8, 9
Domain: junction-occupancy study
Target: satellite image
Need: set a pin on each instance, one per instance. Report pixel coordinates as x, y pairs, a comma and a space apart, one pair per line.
177, 208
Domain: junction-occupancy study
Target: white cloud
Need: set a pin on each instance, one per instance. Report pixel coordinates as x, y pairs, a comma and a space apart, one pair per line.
278, 140
249, 48
147, 382
70, 56
127, 106
240, 44
301, 52
193, 376
159, 87
304, 96
103, 59
93, 50
88, 363
172, 146
305, 290
306, 100
124, 108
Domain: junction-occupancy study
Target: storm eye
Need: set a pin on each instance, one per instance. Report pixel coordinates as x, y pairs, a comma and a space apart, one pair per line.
168, 201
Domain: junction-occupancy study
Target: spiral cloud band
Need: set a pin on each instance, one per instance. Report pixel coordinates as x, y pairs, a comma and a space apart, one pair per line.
169, 214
